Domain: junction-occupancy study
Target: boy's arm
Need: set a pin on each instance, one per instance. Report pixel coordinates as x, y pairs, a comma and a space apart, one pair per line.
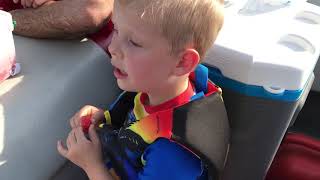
99, 172
62, 19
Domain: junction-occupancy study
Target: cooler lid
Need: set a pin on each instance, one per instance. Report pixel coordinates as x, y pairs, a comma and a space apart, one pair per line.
276, 48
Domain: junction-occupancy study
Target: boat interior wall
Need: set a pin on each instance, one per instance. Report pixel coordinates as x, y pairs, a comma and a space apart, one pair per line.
58, 78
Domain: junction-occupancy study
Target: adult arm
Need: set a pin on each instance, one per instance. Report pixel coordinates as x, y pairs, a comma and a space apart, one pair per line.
62, 19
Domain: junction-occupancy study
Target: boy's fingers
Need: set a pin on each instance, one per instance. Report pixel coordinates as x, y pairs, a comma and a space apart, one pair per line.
68, 143
72, 123
71, 139
98, 114
75, 120
61, 149
93, 135
79, 134
94, 121
72, 136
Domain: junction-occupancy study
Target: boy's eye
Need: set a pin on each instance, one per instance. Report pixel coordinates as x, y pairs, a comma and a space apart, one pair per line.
134, 43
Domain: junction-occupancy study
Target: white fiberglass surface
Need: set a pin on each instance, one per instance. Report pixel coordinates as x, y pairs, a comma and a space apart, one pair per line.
5, 88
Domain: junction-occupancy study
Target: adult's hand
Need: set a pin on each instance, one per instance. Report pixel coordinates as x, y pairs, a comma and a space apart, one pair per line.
31, 3
63, 19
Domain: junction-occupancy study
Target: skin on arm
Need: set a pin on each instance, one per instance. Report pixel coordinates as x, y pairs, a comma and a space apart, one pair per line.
64, 19
85, 153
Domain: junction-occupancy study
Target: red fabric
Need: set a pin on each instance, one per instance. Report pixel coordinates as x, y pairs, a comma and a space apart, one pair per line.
175, 102
298, 158
8, 5
103, 36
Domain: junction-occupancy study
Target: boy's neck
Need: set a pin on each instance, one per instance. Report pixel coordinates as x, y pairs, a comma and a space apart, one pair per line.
166, 93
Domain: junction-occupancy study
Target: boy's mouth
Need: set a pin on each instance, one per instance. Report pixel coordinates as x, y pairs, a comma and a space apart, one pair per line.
119, 74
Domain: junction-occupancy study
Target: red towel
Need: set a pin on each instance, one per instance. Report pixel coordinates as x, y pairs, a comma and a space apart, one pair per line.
298, 158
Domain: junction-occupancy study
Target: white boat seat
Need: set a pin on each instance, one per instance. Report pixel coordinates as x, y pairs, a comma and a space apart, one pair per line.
57, 78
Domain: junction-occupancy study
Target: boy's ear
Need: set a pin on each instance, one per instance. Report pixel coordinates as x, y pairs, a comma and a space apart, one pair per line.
188, 61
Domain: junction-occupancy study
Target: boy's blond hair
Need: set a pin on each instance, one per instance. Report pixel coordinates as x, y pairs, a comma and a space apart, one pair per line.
182, 22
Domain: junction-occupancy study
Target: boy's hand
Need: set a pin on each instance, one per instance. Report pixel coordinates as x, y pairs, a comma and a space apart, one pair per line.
81, 151
96, 114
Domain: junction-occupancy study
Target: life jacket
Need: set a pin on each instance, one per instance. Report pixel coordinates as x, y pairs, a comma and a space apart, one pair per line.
200, 125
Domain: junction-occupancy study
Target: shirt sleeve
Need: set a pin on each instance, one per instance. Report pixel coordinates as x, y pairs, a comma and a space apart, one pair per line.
166, 159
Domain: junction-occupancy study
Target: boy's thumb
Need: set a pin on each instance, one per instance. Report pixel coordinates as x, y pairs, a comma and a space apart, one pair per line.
61, 149
94, 121
93, 135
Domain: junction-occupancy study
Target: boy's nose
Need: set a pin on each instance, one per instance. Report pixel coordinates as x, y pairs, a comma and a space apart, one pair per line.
114, 49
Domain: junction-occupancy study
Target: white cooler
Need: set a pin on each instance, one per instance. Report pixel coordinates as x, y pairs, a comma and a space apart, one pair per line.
263, 60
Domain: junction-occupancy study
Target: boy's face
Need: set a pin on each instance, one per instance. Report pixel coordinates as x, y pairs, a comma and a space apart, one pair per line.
140, 54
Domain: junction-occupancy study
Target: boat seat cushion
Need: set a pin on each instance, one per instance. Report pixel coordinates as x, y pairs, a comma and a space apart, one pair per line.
57, 79
298, 158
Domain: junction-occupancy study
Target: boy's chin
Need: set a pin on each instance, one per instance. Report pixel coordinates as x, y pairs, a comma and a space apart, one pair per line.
125, 87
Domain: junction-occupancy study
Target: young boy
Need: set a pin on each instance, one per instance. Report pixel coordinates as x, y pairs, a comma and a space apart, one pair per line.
156, 47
